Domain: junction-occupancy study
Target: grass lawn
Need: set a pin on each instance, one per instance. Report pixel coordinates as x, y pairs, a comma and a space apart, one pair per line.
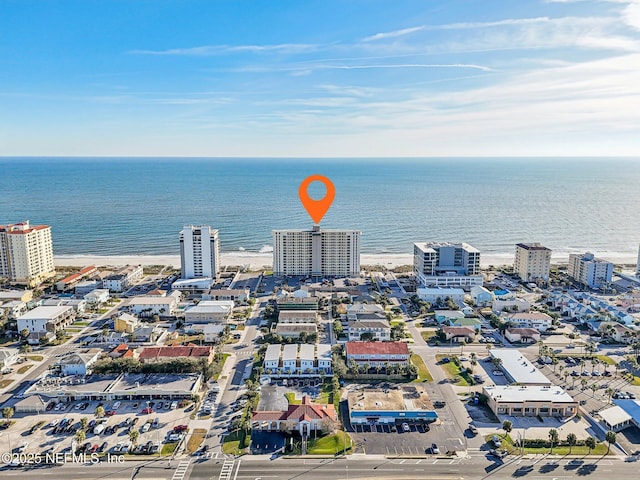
81, 324
195, 439
453, 371
428, 335
291, 398
329, 445
24, 368
423, 371
606, 359
507, 444
35, 358
235, 443
393, 323
5, 383
168, 448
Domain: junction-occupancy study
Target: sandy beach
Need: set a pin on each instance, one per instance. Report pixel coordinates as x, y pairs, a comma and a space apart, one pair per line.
259, 260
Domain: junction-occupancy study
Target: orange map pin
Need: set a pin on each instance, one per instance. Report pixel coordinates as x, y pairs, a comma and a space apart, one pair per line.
316, 208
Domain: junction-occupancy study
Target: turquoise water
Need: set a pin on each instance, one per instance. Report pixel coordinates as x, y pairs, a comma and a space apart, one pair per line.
137, 206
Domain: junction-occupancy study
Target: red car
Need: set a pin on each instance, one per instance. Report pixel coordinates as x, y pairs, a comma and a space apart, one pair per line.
147, 410
180, 428
95, 448
110, 413
50, 406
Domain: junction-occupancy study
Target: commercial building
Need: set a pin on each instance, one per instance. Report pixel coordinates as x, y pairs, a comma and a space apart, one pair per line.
532, 262
589, 270
305, 418
530, 401
288, 302
26, 253
615, 418
316, 252
459, 334
235, 294
297, 360
125, 386
209, 311
375, 353
123, 278
43, 320
631, 408
517, 369
396, 405
199, 251
161, 354
447, 264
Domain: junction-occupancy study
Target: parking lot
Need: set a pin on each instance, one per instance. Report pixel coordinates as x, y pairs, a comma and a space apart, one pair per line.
128, 413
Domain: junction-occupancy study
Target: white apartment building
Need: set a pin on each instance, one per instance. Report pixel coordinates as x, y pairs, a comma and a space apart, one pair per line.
316, 252
199, 251
297, 360
46, 319
589, 270
209, 311
123, 278
538, 320
532, 262
26, 253
150, 305
445, 264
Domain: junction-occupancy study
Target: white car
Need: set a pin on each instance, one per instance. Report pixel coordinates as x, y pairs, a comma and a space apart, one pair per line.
116, 406
496, 441
145, 428
498, 373
405, 427
22, 447
174, 405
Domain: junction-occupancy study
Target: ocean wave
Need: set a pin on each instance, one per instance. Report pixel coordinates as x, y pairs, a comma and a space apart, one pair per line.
266, 249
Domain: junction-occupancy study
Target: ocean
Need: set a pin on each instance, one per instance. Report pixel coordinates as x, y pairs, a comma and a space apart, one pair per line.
137, 206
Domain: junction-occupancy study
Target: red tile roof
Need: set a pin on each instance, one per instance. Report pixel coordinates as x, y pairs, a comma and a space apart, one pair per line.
10, 229
306, 411
174, 352
459, 331
377, 348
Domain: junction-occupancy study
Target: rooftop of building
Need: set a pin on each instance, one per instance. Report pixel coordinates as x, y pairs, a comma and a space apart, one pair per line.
146, 300
432, 246
523, 331
175, 352
518, 368
614, 415
632, 407
530, 316
532, 246
377, 348
212, 306
528, 393
45, 312
21, 228
394, 398
296, 328
459, 331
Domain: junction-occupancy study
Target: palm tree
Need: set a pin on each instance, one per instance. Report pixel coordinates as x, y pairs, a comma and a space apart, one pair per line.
609, 391
591, 443
462, 345
571, 440
80, 435
133, 436
553, 438
100, 411
507, 426
7, 413
83, 423
610, 437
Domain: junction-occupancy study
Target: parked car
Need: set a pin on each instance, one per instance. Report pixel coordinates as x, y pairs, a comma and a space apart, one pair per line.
147, 410
473, 429
434, 449
498, 373
180, 428
498, 453
405, 427
145, 428
496, 441
156, 422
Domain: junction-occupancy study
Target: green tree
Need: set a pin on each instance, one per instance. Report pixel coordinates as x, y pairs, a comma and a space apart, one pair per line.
80, 435
610, 437
7, 413
133, 436
100, 411
24, 333
571, 441
591, 443
507, 426
83, 423
553, 438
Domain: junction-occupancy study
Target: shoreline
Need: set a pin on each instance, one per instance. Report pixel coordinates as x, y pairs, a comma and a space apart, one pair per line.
259, 260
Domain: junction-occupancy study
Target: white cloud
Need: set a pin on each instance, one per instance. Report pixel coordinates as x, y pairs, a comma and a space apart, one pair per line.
211, 50
393, 34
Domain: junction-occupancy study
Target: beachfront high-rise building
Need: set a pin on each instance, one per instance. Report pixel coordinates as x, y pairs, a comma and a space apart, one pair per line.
26, 253
638, 266
590, 271
445, 264
316, 252
199, 252
532, 262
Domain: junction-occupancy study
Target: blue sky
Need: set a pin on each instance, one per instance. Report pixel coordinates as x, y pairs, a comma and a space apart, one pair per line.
320, 78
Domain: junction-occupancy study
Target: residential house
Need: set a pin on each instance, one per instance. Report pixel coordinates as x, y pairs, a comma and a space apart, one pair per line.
538, 320
235, 295
515, 304
297, 316
14, 308
146, 334
79, 363
125, 322
16, 295
371, 330
459, 334
375, 353
481, 296
149, 306
209, 311
471, 322
123, 278
44, 322
297, 360
438, 296
122, 351
292, 330
8, 356
522, 335
97, 296
446, 316
356, 310
618, 332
